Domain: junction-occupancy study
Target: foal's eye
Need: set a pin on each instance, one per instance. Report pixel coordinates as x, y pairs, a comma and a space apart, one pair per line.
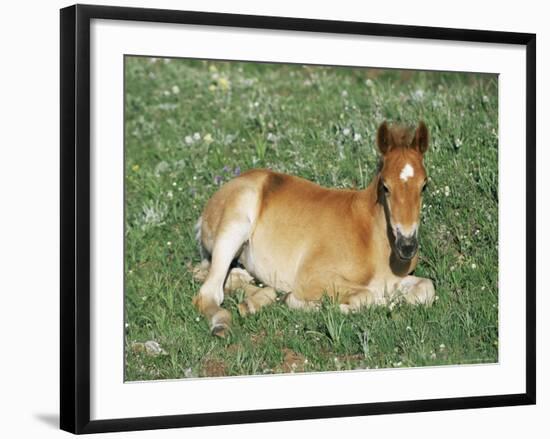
386, 189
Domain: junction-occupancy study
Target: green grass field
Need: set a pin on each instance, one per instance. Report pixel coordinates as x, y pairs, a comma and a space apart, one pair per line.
192, 125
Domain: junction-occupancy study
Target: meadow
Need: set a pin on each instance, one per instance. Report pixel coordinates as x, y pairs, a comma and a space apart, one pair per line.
192, 125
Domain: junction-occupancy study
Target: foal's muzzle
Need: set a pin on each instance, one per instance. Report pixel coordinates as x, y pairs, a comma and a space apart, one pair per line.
406, 246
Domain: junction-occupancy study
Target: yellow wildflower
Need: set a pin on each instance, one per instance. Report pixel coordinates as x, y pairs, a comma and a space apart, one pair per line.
208, 139
224, 83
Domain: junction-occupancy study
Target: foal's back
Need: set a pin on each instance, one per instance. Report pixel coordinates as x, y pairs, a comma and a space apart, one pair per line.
299, 225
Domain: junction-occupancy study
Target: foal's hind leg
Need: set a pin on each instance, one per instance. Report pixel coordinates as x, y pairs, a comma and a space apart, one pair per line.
239, 279
233, 233
256, 298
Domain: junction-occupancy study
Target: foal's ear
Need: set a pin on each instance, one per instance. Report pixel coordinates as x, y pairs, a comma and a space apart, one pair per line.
383, 138
420, 140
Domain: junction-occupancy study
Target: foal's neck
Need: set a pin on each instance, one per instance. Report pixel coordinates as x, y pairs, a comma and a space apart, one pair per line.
368, 204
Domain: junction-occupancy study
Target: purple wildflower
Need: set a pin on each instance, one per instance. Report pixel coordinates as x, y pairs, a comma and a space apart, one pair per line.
218, 179
237, 171
227, 168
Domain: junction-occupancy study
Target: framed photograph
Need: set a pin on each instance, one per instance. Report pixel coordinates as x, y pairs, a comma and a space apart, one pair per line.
273, 218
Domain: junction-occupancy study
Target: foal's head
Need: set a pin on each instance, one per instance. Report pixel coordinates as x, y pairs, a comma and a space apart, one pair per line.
401, 183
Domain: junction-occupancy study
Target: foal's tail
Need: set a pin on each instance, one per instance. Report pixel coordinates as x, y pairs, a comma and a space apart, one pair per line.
200, 270
198, 229
205, 254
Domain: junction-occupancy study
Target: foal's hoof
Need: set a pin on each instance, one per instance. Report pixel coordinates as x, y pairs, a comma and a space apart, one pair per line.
243, 309
220, 330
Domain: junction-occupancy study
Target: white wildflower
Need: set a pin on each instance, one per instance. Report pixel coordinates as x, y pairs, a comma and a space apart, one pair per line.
161, 168
369, 83
418, 94
346, 131
357, 137
447, 191
167, 106
196, 136
188, 140
175, 89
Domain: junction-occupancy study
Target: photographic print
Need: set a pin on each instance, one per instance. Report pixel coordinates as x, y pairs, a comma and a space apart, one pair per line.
284, 218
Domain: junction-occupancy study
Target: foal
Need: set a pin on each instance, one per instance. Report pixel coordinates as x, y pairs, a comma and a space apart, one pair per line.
292, 235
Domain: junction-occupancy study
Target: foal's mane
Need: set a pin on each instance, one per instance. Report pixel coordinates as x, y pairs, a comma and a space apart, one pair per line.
400, 137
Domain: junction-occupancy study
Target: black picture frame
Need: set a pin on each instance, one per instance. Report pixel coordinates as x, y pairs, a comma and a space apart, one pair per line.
75, 217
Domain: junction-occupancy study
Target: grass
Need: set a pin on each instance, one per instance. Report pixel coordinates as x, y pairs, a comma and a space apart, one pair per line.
192, 125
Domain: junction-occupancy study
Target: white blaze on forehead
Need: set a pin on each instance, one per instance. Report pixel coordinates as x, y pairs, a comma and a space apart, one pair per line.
407, 172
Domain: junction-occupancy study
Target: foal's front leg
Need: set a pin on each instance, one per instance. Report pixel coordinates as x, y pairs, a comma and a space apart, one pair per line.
417, 290
361, 297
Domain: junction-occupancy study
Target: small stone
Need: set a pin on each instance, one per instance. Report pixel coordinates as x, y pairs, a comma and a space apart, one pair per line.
188, 373
150, 347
